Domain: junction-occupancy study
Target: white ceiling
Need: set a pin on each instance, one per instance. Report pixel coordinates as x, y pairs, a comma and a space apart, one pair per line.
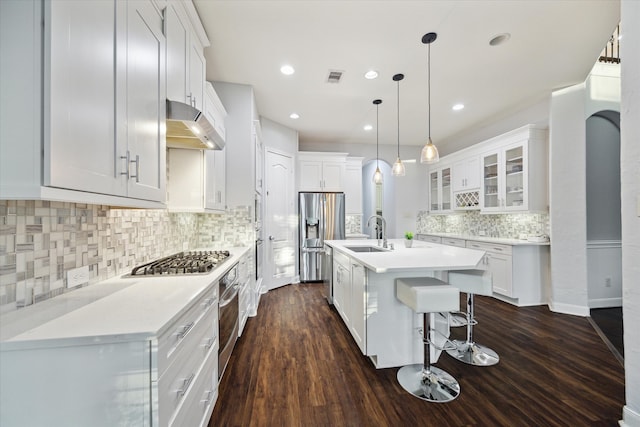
553, 44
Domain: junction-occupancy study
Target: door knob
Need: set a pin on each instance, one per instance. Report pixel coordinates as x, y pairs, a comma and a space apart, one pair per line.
272, 238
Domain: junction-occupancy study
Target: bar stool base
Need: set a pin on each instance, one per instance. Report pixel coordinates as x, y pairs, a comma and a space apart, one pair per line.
436, 386
474, 354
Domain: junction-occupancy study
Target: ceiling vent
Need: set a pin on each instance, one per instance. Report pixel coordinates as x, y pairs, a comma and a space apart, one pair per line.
334, 76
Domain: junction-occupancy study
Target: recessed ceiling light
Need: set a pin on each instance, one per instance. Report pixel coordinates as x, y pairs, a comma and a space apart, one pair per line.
367, 127
371, 74
294, 116
499, 39
287, 70
457, 107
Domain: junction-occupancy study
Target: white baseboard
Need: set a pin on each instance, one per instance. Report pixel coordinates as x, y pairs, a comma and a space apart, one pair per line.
630, 418
605, 302
576, 310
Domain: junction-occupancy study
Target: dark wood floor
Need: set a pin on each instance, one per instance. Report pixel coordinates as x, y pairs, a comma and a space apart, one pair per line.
297, 365
608, 322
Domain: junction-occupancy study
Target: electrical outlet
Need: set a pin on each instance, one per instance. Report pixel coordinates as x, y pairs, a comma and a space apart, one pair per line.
607, 282
77, 276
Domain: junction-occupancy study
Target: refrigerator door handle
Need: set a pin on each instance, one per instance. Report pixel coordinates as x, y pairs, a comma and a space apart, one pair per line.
313, 250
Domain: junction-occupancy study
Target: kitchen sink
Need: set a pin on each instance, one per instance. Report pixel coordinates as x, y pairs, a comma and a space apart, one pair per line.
366, 249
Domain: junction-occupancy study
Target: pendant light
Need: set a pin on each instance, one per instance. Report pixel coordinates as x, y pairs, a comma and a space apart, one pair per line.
377, 176
429, 152
398, 167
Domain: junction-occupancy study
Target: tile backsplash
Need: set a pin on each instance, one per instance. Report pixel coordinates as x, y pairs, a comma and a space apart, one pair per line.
495, 225
353, 223
40, 241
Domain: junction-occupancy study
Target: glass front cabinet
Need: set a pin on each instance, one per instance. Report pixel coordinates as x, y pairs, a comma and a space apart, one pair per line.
505, 179
440, 190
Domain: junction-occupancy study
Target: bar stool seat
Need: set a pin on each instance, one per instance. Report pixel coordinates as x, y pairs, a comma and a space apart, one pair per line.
472, 282
427, 295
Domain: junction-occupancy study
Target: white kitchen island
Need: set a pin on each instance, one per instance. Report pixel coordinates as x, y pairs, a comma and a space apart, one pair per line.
386, 330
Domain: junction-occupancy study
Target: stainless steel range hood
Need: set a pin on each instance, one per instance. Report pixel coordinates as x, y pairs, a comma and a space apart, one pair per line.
187, 127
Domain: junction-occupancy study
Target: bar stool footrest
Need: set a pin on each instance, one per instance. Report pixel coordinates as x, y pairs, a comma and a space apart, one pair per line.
474, 354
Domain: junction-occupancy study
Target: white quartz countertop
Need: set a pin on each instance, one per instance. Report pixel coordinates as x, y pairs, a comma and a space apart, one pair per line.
421, 256
502, 240
121, 308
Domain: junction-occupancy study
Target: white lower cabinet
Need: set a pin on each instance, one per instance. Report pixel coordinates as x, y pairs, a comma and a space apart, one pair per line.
166, 380
342, 284
358, 318
349, 296
244, 294
520, 273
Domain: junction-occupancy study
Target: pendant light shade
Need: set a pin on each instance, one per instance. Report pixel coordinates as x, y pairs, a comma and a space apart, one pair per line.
398, 167
429, 152
377, 176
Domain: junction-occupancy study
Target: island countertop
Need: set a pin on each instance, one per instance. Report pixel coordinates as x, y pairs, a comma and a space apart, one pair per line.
421, 256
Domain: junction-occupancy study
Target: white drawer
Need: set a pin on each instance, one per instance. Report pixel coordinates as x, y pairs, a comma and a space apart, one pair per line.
451, 241
429, 238
495, 248
342, 259
201, 398
182, 333
178, 379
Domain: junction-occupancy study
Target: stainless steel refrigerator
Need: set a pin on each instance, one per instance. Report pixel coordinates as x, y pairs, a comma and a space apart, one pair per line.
321, 218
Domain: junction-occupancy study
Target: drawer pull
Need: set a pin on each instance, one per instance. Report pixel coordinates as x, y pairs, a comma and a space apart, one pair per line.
497, 249
185, 385
209, 343
208, 302
185, 329
475, 246
208, 394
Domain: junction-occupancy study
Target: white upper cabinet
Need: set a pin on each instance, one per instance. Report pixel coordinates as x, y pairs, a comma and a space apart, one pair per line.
214, 111
353, 186
466, 174
257, 135
80, 106
178, 32
97, 72
145, 95
215, 179
507, 173
186, 65
321, 171
514, 175
196, 180
440, 190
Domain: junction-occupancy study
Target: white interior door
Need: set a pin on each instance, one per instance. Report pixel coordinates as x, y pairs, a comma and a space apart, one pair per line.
280, 220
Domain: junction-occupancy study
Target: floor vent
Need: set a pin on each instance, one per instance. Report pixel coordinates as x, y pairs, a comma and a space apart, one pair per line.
334, 76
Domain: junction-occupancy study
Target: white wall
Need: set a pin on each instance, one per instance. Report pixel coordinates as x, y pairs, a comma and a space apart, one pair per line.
279, 137
570, 108
630, 174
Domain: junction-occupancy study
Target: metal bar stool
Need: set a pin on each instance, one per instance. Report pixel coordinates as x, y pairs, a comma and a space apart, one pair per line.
428, 295
472, 282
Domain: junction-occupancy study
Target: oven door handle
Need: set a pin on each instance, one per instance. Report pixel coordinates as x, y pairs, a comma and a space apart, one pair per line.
224, 301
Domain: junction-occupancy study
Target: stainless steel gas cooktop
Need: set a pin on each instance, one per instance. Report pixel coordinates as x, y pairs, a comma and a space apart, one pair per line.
191, 262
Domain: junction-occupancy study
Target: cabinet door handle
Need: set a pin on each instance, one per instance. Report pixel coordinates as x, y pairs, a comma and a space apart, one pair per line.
497, 249
126, 158
185, 385
137, 162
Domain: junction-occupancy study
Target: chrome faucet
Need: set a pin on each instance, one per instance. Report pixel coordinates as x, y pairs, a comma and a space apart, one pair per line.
384, 229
